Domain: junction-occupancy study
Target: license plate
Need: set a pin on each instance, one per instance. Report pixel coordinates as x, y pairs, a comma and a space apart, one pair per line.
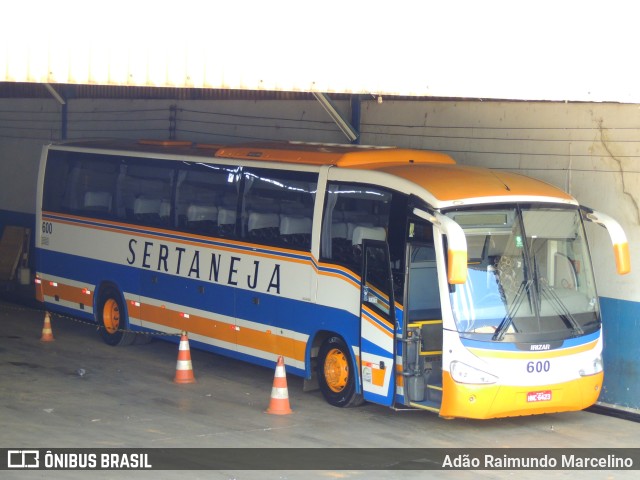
543, 396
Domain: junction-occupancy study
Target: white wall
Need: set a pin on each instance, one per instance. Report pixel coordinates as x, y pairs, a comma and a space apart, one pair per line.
25, 125
591, 150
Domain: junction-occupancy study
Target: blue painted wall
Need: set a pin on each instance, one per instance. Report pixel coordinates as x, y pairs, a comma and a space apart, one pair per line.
621, 320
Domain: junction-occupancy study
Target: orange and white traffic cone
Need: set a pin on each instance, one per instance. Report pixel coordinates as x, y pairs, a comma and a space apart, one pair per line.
47, 333
279, 404
184, 369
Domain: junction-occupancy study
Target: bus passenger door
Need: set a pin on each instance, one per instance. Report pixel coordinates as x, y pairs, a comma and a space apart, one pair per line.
377, 325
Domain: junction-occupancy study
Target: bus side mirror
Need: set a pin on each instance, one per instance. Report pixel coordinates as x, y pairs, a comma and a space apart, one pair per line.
617, 235
457, 254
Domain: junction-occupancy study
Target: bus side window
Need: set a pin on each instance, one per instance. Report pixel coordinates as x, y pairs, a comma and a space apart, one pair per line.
144, 192
423, 295
350, 210
55, 196
277, 207
92, 185
206, 199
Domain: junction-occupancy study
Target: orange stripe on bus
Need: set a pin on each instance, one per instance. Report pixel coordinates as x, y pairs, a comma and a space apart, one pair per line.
67, 292
266, 341
207, 327
399, 376
378, 326
232, 246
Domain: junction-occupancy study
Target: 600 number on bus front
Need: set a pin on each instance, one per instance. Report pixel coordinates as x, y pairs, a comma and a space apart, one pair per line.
47, 228
539, 366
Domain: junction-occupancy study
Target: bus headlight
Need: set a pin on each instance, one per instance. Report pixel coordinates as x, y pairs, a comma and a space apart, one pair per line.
463, 373
593, 368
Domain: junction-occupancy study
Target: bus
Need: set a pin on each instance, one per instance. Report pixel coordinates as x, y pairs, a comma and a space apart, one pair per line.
380, 274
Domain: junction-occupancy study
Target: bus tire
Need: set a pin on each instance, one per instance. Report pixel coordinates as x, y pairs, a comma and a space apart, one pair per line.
336, 378
111, 317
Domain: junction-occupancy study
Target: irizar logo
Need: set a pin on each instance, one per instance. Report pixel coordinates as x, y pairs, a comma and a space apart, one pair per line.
541, 346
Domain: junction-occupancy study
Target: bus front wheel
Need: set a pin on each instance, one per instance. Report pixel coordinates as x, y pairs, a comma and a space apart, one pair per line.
336, 377
112, 318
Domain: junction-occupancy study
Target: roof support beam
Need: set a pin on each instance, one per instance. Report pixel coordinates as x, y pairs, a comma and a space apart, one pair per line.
63, 113
55, 94
344, 126
356, 114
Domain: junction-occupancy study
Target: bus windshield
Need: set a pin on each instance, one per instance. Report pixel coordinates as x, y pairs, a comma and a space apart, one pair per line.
529, 275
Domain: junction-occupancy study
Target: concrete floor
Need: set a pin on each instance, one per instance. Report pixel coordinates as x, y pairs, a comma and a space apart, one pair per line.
126, 398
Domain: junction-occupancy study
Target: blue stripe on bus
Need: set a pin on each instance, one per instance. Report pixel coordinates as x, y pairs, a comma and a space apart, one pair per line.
380, 399
207, 241
343, 272
512, 347
378, 321
295, 315
375, 349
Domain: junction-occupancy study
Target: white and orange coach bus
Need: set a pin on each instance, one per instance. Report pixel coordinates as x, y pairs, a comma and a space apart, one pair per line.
386, 275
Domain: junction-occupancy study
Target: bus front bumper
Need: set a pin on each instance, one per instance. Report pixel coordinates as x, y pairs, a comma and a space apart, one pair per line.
494, 401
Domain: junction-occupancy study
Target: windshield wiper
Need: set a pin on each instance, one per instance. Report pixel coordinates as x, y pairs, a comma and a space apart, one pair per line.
556, 302
560, 308
515, 306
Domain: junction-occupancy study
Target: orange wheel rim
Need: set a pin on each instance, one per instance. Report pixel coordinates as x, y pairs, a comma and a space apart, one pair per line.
336, 370
111, 315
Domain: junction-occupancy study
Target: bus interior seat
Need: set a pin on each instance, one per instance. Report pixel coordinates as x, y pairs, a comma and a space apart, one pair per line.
165, 211
339, 230
263, 225
361, 233
296, 230
226, 221
202, 217
147, 210
97, 201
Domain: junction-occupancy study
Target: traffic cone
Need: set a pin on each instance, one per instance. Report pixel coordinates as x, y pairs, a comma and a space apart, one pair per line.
279, 404
47, 333
184, 369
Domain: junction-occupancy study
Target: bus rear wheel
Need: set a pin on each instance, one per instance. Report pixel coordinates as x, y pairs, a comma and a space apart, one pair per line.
336, 377
112, 319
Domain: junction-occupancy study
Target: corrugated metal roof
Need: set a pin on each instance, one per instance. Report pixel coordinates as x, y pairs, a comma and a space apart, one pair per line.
37, 90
